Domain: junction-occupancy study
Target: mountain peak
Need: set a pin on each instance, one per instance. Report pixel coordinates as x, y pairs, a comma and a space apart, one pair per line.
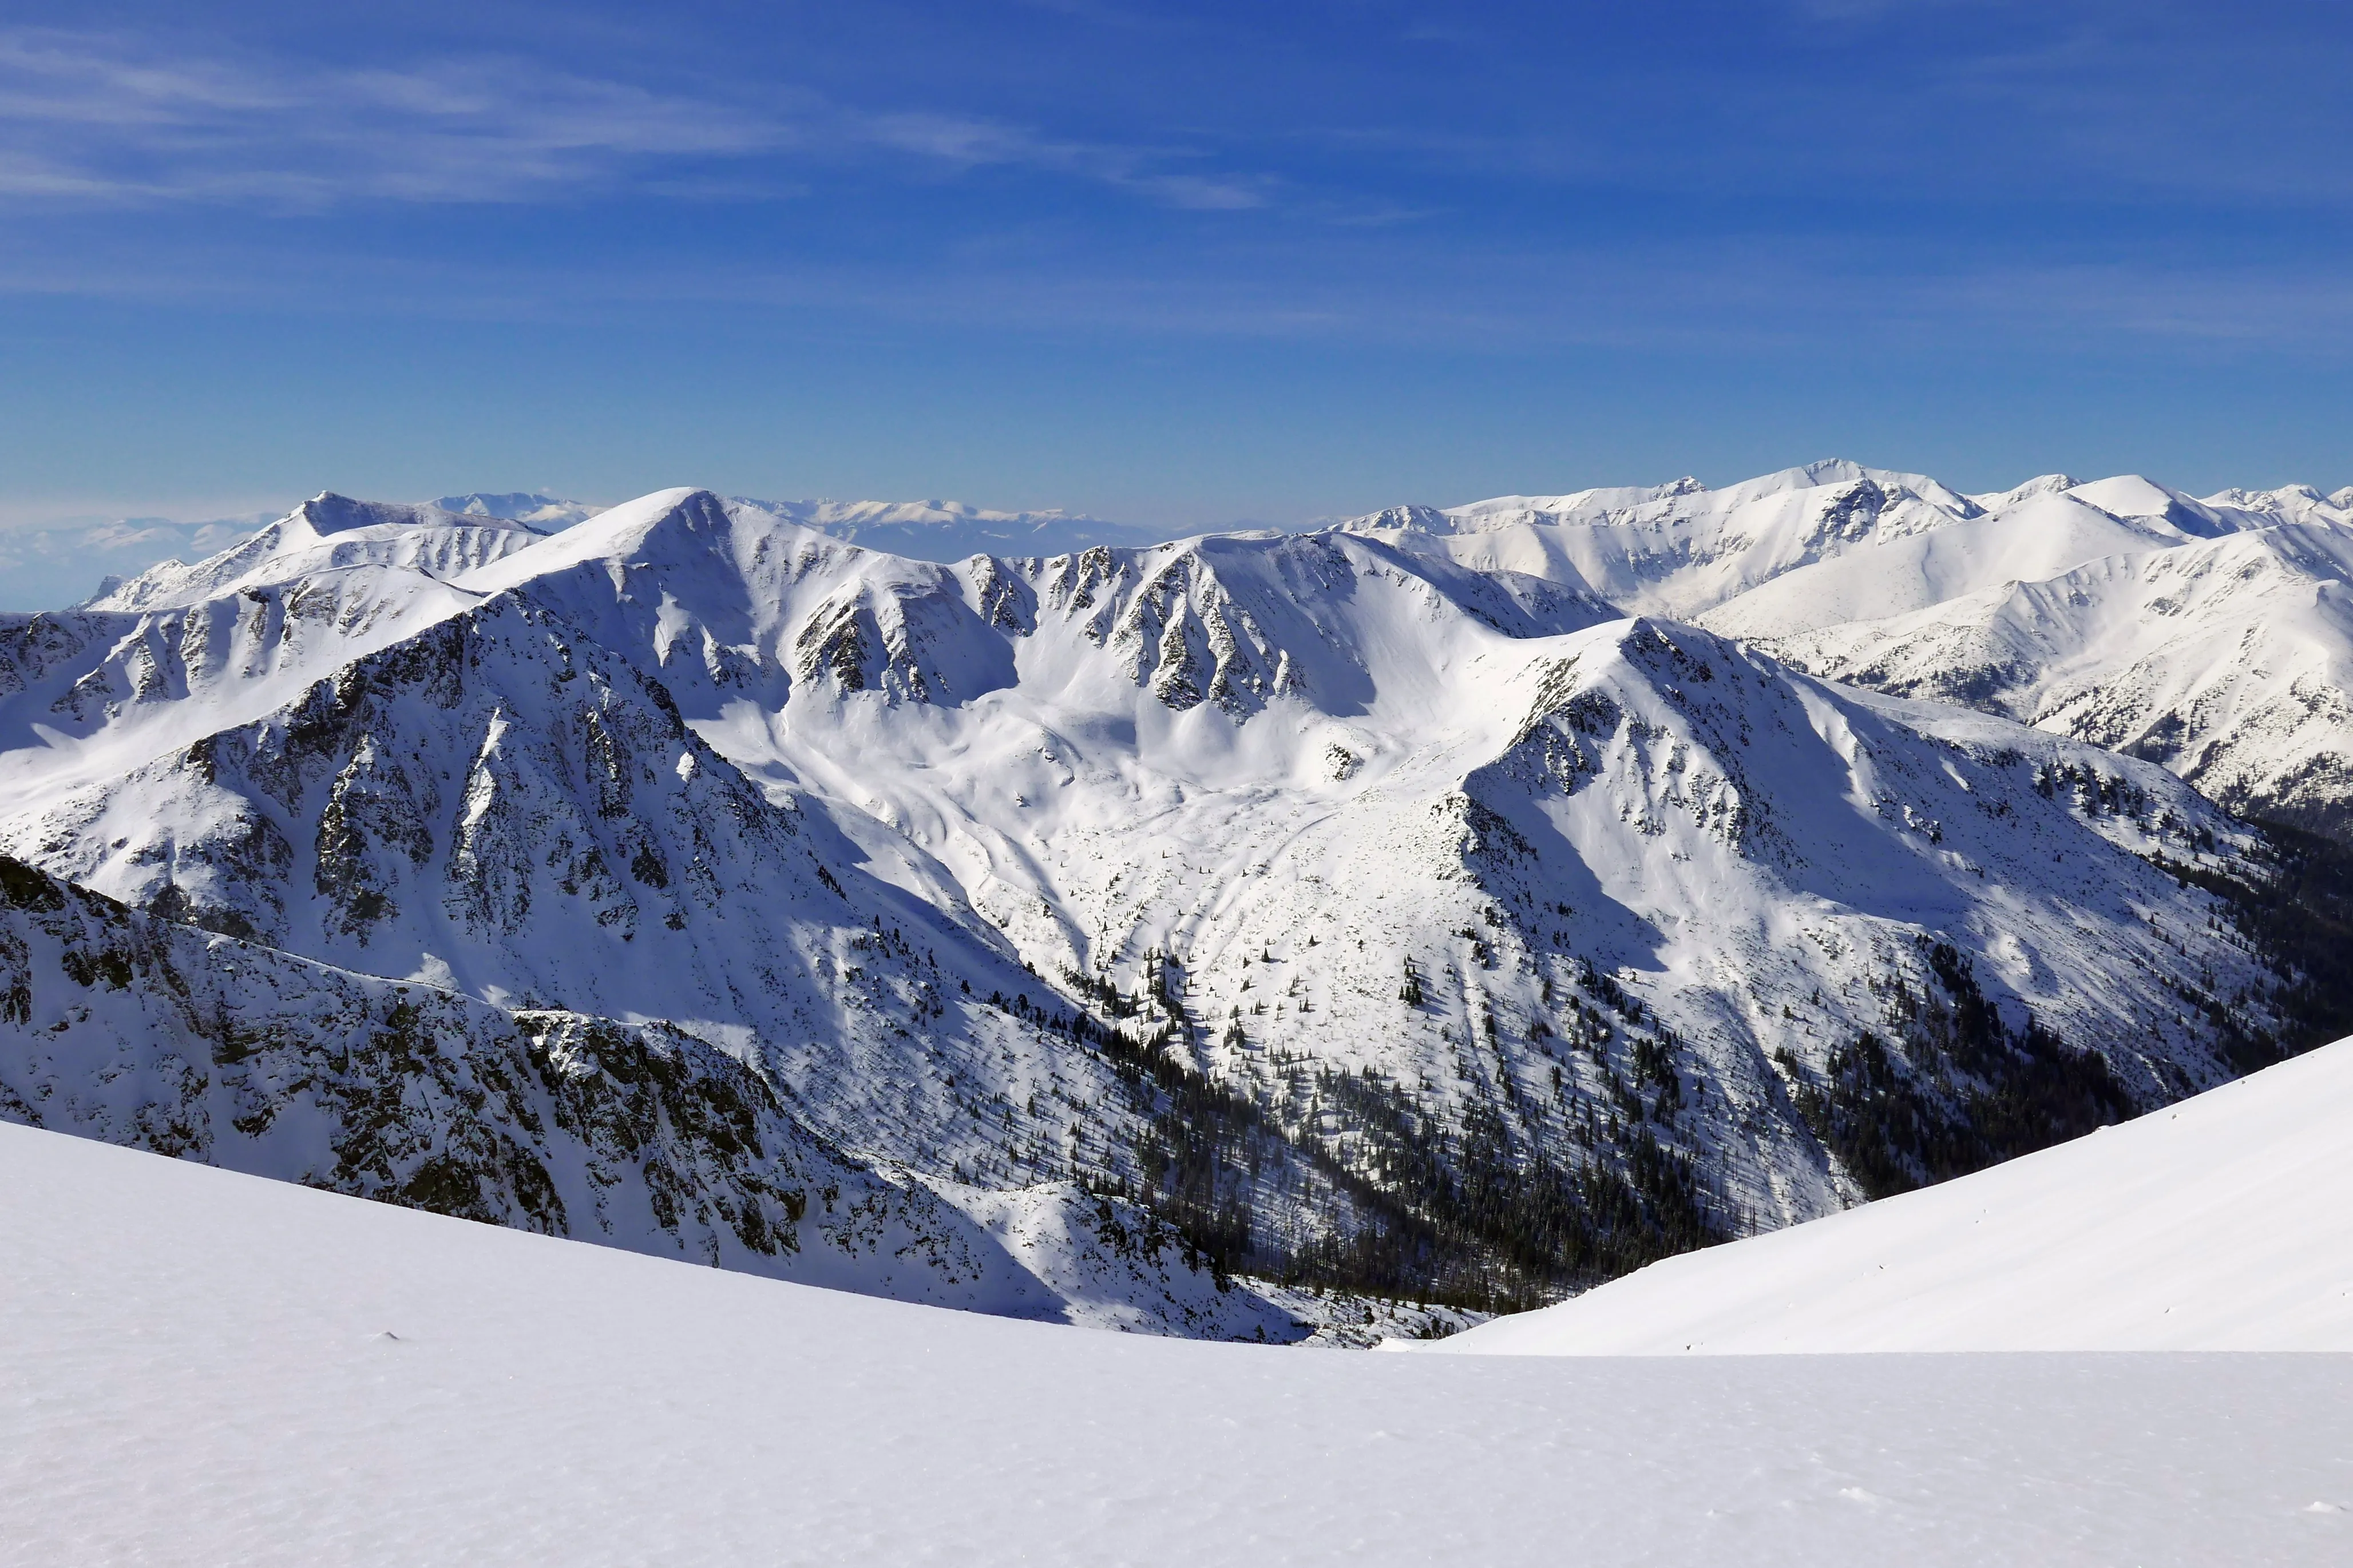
1414, 854
327, 532
327, 513
1828, 471
1425, 519
540, 510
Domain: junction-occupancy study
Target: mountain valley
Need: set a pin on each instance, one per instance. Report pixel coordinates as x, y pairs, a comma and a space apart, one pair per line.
1238, 937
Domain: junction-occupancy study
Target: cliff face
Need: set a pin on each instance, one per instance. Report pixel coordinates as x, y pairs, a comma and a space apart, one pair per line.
1347, 909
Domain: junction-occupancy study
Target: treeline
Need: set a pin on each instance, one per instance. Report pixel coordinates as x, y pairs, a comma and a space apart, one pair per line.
1404, 1204
2295, 912
1954, 1090
1342, 1180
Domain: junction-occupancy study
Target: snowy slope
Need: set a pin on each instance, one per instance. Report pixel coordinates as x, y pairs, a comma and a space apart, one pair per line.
1678, 549
200, 1367
1630, 867
116, 1026
2230, 660
2223, 1224
2037, 537
946, 529
326, 533
1385, 916
1808, 547
89, 695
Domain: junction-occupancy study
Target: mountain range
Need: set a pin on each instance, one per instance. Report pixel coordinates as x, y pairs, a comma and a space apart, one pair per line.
923, 529
1255, 935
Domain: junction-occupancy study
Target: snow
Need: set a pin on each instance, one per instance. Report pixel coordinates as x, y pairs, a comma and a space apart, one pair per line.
2227, 659
203, 1367
666, 881
2058, 602
815, 804
2224, 1223
1406, 834
948, 529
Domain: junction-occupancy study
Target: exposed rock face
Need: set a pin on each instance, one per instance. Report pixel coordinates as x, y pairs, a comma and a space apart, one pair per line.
1351, 908
143, 1033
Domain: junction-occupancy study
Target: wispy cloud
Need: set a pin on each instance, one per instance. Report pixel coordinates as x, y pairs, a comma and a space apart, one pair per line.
971, 142
102, 118
47, 562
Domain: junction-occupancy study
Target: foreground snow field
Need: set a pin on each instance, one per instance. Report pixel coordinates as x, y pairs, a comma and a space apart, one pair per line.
2223, 1224
205, 1367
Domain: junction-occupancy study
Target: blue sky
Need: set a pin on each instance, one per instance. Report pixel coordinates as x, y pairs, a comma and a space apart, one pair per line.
1176, 264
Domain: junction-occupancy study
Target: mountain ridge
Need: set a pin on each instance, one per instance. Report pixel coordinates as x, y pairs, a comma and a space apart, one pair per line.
1370, 913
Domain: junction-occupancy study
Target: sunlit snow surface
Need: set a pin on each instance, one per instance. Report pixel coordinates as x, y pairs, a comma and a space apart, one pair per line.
204, 1367
1403, 798
2222, 1223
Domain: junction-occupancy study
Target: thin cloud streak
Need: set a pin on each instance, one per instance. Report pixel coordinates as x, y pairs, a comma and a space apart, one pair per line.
968, 142
103, 120
1742, 296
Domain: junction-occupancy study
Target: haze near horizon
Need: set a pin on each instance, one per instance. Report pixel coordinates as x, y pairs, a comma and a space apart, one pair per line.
1182, 267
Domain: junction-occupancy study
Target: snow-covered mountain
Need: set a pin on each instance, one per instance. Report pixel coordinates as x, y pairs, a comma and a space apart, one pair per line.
2203, 634
948, 530
57, 565
1412, 907
67, 561
327, 533
1827, 542
2230, 660
2222, 1223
